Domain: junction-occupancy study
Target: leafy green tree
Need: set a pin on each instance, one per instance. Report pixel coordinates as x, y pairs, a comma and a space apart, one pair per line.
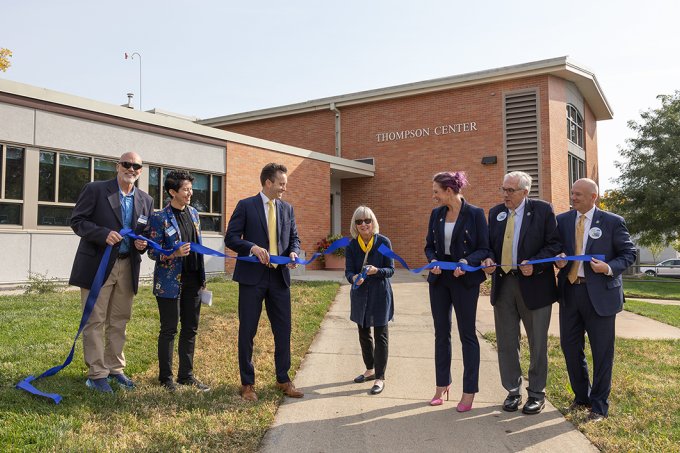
655, 249
649, 183
5, 55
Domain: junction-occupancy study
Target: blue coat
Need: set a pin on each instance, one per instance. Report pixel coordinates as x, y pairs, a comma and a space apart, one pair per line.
167, 275
248, 227
470, 241
372, 302
538, 238
605, 292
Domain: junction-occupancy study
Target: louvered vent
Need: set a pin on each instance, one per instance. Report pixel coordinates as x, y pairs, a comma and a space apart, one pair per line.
521, 135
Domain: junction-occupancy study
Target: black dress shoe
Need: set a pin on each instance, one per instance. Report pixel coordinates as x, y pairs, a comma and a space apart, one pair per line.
595, 417
533, 406
512, 402
377, 388
361, 378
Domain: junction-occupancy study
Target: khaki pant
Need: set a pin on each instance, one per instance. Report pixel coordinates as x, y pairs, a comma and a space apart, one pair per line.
104, 333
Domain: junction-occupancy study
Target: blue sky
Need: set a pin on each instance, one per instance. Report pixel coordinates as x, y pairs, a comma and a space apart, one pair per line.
213, 58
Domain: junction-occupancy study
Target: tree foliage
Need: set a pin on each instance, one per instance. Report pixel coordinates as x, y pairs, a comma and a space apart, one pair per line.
649, 184
5, 55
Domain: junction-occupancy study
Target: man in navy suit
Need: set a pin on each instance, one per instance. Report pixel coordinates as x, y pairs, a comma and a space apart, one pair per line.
259, 226
102, 209
591, 294
522, 229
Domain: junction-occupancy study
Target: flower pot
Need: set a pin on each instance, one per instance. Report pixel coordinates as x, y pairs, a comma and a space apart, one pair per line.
334, 262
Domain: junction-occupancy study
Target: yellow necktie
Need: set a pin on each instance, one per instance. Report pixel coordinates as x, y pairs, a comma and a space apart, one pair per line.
506, 257
573, 271
271, 226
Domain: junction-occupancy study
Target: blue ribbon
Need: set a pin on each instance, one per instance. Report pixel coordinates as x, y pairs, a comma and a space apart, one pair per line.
363, 274
26, 383
448, 265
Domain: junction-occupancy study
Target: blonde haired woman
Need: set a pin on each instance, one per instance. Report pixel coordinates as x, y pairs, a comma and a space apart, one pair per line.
371, 297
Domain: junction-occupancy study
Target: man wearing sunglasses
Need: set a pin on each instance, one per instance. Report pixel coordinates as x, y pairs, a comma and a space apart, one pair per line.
102, 210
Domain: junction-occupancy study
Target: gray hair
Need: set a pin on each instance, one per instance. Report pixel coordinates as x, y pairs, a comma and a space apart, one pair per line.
523, 179
363, 212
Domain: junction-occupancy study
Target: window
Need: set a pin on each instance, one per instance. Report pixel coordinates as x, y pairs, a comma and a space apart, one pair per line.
11, 184
207, 196
574, 126
577, 169
62, 177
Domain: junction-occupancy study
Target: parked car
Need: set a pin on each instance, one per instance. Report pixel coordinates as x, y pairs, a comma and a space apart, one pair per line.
666, 268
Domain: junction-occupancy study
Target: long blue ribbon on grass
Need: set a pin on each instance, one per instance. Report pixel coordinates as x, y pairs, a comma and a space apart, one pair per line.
26, 383
449, 265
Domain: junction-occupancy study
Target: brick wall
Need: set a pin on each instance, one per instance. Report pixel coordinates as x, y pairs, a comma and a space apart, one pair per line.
400, 192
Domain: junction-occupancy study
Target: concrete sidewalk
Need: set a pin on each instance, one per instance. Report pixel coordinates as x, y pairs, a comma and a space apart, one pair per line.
338, 415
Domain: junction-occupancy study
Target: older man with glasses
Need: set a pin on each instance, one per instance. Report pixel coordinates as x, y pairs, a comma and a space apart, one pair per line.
104, 208
522, 229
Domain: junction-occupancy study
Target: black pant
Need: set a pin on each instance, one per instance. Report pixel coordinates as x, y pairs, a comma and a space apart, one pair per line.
276, 295
186, 309
578, 317
445, 293
374, 356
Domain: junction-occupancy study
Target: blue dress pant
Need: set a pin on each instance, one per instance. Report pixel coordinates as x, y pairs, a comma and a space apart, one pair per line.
276, 295
578, 317
447, 292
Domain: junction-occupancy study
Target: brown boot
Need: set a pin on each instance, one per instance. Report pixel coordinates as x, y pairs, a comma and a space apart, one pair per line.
248, 393
289, 389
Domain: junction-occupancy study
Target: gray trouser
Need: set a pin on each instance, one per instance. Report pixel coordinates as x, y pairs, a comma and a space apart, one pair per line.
508, 311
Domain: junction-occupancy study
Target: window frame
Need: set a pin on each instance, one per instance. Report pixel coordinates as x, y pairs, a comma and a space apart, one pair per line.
575, 124
3, 183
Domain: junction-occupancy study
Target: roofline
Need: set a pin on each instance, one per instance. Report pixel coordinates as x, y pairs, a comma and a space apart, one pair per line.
561, 67
174, 123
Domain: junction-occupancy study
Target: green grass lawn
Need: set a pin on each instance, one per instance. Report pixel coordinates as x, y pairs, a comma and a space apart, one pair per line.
667, 314
644, 411
37, 332
652, 287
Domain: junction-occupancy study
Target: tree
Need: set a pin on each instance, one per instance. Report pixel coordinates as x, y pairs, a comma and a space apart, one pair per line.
655, 249
649, 183
5, 55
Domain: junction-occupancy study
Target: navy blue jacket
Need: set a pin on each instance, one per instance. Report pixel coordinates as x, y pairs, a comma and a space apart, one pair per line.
470, 241
248, 227
538, 238
605, 292
372, 301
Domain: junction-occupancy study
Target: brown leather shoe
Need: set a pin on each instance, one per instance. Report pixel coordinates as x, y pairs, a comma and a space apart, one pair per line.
248, 393
289, 389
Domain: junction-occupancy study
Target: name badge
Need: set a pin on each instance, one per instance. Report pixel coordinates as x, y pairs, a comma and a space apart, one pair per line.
142, 219
172, 231
595, 233
501, 216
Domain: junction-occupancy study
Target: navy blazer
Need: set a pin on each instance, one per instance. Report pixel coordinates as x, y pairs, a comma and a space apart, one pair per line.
470, 241
372, 301
538, 238
605, 292
97, 212
248, 227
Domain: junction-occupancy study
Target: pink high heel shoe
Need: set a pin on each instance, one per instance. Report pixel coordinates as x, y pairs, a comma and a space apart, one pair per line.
439, 401
464, 407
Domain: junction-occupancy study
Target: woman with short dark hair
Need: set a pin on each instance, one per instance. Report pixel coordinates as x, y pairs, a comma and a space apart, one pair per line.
177, 280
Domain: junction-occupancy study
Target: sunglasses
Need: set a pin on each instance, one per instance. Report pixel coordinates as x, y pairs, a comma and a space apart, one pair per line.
128, 165
360, 221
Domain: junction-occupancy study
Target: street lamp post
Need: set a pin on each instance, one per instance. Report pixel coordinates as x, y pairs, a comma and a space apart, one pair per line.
132, 57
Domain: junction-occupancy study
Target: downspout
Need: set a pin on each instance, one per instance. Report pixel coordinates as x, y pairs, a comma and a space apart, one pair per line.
338, 144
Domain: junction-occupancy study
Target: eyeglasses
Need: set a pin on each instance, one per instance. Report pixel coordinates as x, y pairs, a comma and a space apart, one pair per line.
360, 221
507, 190
128, 165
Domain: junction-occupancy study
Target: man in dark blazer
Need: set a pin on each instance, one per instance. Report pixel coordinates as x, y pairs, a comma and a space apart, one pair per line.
252, 223
104, 208
522, 229
591, 294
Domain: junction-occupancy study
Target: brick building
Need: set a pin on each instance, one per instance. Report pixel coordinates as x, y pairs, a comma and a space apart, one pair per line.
538, 117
